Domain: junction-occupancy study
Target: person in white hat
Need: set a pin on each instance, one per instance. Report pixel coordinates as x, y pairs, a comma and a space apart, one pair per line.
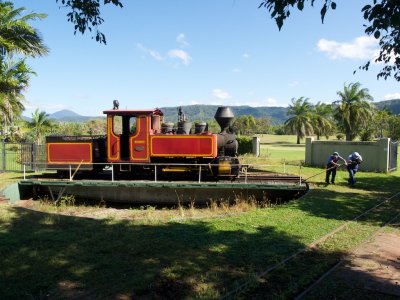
353, 161
332, 165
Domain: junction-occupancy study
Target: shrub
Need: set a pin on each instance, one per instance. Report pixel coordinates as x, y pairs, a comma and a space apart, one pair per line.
245, 144
340, 136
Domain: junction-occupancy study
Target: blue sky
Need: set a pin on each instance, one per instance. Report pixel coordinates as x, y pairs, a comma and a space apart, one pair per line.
180, 52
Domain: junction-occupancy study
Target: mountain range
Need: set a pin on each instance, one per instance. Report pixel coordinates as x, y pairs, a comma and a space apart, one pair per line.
207, 112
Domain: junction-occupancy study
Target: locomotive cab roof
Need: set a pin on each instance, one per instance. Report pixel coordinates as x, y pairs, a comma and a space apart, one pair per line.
133, 112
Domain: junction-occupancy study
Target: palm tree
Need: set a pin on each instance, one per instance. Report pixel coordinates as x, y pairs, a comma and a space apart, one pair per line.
353, 110
301, 121
17, 35
39, 124
322, 119
14, 78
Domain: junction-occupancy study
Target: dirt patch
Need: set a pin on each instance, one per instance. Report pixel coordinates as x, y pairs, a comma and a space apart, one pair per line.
374, 266
26, 203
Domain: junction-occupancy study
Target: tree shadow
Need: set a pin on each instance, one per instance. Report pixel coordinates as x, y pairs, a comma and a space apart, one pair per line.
53, 256
345, 280
382, 182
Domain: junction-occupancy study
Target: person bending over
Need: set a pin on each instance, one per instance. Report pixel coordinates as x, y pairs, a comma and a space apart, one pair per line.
332, 165
353, 161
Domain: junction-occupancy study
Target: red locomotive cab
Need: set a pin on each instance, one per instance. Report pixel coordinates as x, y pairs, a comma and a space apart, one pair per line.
128, 134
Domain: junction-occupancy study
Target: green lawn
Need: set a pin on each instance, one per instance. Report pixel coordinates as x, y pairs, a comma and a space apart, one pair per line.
48, 255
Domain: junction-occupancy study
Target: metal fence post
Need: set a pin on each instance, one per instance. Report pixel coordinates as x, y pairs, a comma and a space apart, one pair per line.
300, 175
3, 156
33, 157
200, 174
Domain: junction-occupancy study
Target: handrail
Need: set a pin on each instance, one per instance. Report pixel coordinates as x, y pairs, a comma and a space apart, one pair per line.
243, 168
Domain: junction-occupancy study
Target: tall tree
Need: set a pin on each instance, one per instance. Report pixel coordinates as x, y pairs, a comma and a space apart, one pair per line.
39, 124
353, 110
17, 35
322, 119
244, 124
14, 78
394, 127
381, 122
300, 122
382, 22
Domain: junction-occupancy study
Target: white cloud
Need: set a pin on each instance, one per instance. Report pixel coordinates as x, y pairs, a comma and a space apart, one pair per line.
236, 70
269, 102
174, 53
364, 47
392, 96
181, 39
245, 55
182, 55
294, 83
153, 53
220, 94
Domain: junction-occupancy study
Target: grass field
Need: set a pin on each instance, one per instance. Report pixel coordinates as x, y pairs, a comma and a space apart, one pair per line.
186, 253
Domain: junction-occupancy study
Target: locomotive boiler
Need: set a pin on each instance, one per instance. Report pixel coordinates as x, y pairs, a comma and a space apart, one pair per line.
139, 142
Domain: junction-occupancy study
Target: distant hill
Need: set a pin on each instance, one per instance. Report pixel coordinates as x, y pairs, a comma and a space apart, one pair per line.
192, 112
66, 115
206, 112
392, 105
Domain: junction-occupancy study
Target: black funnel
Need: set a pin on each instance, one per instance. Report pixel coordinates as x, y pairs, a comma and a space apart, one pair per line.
224, 117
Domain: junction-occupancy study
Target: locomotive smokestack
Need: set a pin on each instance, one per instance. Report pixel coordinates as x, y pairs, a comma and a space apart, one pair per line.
224, 117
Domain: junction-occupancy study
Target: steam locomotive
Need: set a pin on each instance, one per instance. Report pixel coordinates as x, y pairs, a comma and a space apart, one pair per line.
139, 142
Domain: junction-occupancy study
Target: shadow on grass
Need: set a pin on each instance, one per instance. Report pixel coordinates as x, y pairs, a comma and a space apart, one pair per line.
53, 256
381, 182
345, 281
337, 205
343, 202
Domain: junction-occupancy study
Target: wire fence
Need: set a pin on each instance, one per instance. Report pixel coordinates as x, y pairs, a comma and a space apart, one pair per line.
19, 157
